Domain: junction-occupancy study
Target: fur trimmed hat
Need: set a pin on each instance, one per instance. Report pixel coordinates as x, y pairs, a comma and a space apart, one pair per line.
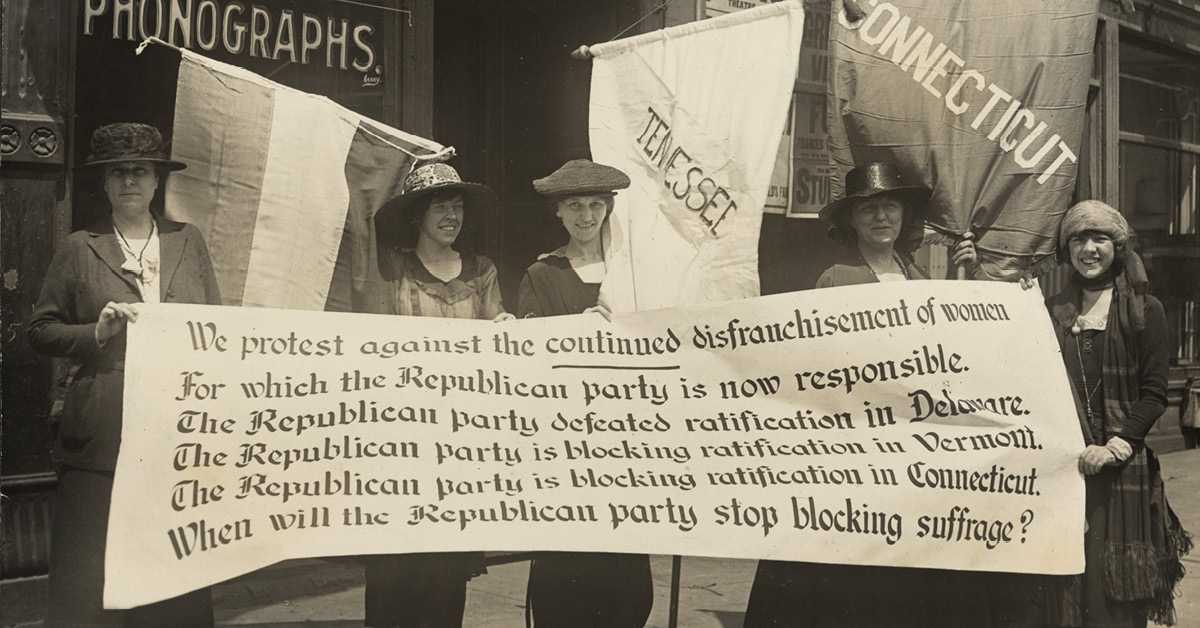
1094, 216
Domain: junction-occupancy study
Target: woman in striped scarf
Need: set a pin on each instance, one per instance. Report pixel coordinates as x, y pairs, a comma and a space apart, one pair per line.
1113, 337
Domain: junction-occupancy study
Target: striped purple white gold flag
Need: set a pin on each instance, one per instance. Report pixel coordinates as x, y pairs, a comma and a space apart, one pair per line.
283, 184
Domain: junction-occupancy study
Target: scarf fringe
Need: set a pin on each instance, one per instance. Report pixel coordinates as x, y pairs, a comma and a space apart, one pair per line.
1140, 572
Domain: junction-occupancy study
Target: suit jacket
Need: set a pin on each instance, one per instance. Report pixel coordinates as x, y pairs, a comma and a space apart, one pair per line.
84, 276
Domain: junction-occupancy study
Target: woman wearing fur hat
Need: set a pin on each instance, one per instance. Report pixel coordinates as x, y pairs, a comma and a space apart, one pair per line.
1113, 337
95, 280
428, 276
580, 589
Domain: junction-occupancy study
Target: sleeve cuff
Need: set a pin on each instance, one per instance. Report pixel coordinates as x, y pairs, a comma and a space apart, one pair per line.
1120, 448
99, 343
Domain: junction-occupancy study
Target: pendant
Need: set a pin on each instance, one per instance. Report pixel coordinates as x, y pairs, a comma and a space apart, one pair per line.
1087, 344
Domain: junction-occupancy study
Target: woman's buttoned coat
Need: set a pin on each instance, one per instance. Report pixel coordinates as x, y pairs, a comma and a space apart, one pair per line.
84, 276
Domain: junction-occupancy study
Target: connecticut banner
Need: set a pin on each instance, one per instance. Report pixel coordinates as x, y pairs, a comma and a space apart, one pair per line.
918, 424
283, 184
694, 115
982, 101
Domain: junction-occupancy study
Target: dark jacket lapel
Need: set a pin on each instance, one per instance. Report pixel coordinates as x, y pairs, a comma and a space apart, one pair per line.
103, 241
172, 241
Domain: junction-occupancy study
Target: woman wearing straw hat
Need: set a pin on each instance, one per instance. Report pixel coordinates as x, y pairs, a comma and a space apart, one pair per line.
428, 276
90, 293
580, 589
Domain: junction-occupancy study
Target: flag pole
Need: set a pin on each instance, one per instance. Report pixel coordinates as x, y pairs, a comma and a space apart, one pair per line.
673, 616
153, 40
960, 270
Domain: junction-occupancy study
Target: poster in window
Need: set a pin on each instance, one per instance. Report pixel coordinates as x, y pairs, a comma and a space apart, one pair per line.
779, 195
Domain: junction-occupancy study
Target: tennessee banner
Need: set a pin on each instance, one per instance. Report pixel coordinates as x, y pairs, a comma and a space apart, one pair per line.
913, 424
982, 101
283, 184
693, 114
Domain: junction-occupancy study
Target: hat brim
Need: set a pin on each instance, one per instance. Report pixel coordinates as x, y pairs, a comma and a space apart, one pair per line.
911, 194
476, 198
596, 192
169, 164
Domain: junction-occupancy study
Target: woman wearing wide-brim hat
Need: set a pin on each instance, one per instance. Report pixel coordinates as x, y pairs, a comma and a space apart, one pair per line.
90, 292
420, 230
880, 221
428, 275
580, 589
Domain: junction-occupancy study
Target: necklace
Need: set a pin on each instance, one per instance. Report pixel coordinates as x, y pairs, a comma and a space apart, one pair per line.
141, 253
895, 258
1087, 400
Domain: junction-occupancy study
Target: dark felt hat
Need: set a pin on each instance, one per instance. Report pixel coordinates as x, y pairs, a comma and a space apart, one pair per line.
129, 141
873, 180
431, 178
581, 177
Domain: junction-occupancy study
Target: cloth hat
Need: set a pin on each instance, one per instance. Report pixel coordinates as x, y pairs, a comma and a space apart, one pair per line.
129, 141
873, 180
581, 177
1093, 216
431, 178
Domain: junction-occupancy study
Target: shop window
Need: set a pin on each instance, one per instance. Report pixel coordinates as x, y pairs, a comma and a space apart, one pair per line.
1160, 171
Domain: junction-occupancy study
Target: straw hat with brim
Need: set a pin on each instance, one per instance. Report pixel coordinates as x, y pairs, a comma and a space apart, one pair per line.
432, 178
874, 180
581, 177
129, 141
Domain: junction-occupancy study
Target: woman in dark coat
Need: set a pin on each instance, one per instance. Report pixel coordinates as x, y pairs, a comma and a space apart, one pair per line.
95, 279
879, 222
1113, 337
428, 276
580, 589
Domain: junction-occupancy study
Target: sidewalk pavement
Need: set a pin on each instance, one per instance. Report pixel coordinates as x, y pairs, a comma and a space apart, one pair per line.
328, 593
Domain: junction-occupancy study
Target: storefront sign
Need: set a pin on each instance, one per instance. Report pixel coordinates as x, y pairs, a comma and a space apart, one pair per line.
239, 28
780, 193
918, 424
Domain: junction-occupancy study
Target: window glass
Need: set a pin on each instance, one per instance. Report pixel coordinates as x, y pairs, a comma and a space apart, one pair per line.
1158, 189
1159, 94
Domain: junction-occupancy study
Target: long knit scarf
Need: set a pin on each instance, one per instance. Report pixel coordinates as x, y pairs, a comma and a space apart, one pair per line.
1144, 540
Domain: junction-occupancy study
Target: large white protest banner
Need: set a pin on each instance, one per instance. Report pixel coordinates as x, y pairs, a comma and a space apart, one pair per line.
693, 114
924, 424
